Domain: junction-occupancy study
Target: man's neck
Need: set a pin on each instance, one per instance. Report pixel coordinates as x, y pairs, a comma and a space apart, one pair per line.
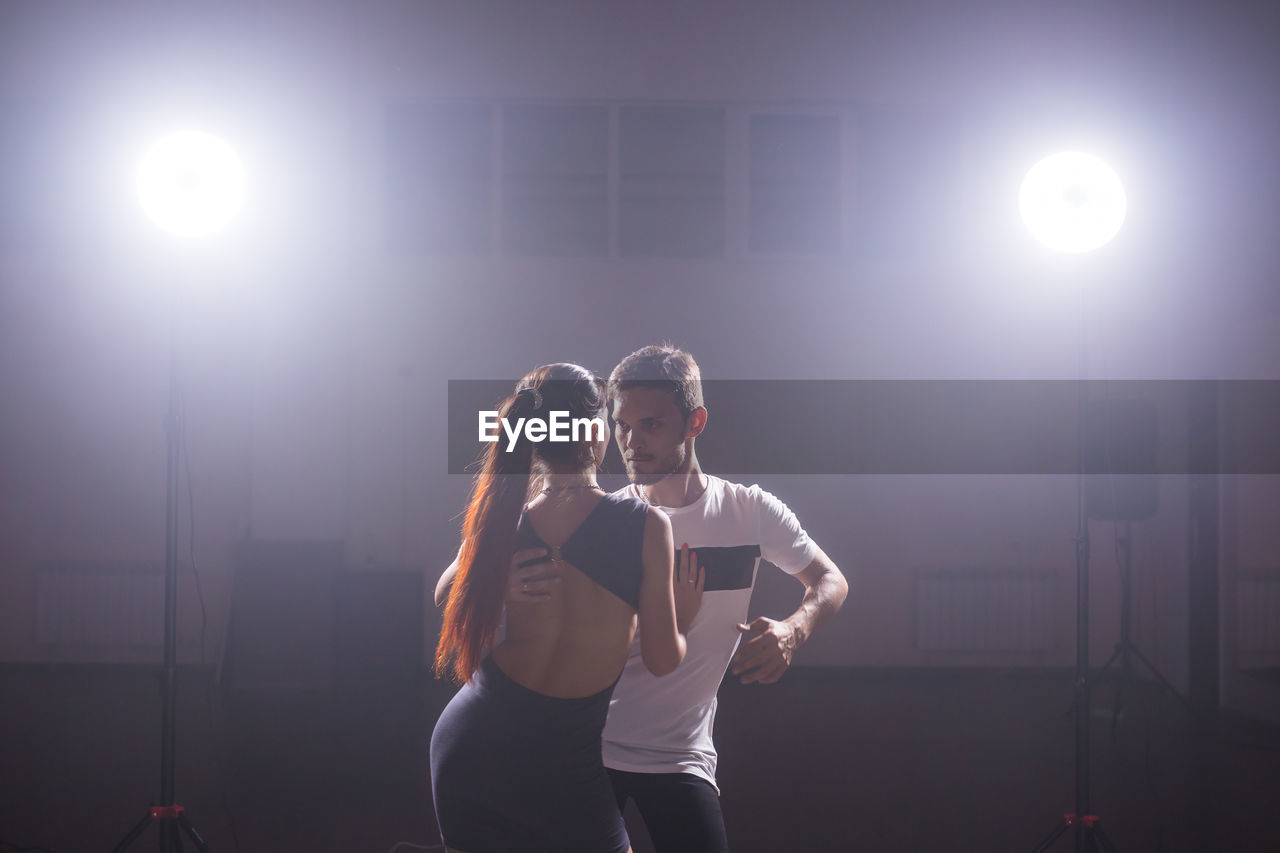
679, 489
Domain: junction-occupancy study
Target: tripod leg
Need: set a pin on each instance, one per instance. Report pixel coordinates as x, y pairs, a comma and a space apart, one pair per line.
172, 839
1052, 837
137, 830
1160, 678
1110, 661
1118, 704
200, 843
1102, 837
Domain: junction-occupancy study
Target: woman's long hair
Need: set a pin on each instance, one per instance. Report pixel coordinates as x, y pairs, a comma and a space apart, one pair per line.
474, 608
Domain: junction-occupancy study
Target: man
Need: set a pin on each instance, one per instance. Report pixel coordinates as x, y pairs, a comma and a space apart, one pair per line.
658, 738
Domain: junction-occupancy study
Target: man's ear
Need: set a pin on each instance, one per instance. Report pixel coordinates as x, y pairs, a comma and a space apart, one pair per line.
696, 423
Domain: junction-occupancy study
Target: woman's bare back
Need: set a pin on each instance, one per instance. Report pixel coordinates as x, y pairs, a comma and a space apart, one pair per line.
575, 643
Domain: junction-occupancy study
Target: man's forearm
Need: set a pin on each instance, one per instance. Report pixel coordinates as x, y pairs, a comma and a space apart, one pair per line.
821, 601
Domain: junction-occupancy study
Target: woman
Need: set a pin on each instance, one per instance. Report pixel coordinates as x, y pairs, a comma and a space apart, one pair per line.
515, 757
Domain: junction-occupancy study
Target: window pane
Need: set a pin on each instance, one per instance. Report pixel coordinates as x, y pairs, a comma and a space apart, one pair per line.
907, 172
672, 162
795, 183
555, 180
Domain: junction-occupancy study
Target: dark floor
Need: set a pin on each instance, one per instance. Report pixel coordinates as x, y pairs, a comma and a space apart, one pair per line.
849, 760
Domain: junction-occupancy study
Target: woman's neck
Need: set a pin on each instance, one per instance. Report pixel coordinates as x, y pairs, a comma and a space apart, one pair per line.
569, 481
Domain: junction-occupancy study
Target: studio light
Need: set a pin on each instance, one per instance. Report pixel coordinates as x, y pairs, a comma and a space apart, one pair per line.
190, 183
1072, 202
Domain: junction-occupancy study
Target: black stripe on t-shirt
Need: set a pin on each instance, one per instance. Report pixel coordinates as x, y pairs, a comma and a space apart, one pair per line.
728, 567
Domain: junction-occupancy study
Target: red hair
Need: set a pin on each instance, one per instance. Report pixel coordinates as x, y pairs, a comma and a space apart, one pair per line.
474, 609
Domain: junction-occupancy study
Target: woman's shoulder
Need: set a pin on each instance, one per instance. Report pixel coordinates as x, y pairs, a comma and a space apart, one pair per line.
634, 514
624, 503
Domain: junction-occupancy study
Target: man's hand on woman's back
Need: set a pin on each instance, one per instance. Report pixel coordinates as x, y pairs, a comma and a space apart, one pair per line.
525, 584
533, 583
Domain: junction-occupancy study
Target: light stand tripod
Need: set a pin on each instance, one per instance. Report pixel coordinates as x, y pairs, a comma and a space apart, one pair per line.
169, 816
190, 184
1073, 203
1087, 826
1125, 648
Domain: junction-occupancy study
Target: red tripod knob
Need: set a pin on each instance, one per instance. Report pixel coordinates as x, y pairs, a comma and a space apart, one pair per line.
166, 812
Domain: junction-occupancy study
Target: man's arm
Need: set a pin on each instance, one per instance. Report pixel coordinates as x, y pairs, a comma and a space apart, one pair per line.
446, 582
768, 654
525, 584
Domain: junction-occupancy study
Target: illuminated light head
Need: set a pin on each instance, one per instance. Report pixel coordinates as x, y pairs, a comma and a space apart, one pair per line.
190, 183
1072, 202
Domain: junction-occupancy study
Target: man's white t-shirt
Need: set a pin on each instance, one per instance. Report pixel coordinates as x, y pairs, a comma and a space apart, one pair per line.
663, 725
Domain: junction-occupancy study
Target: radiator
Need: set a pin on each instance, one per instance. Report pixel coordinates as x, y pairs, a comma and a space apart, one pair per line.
1258, 613
984, 611
100, 605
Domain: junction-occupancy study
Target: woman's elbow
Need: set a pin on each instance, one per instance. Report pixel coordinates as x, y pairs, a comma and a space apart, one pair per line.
661, 668
664, 664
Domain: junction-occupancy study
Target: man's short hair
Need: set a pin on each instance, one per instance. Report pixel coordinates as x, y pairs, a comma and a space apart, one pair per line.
661, 366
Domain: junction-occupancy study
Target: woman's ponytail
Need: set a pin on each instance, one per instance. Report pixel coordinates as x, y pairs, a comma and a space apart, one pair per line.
474, 608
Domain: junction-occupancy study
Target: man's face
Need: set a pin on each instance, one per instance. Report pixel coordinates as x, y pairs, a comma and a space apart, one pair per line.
650, 432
